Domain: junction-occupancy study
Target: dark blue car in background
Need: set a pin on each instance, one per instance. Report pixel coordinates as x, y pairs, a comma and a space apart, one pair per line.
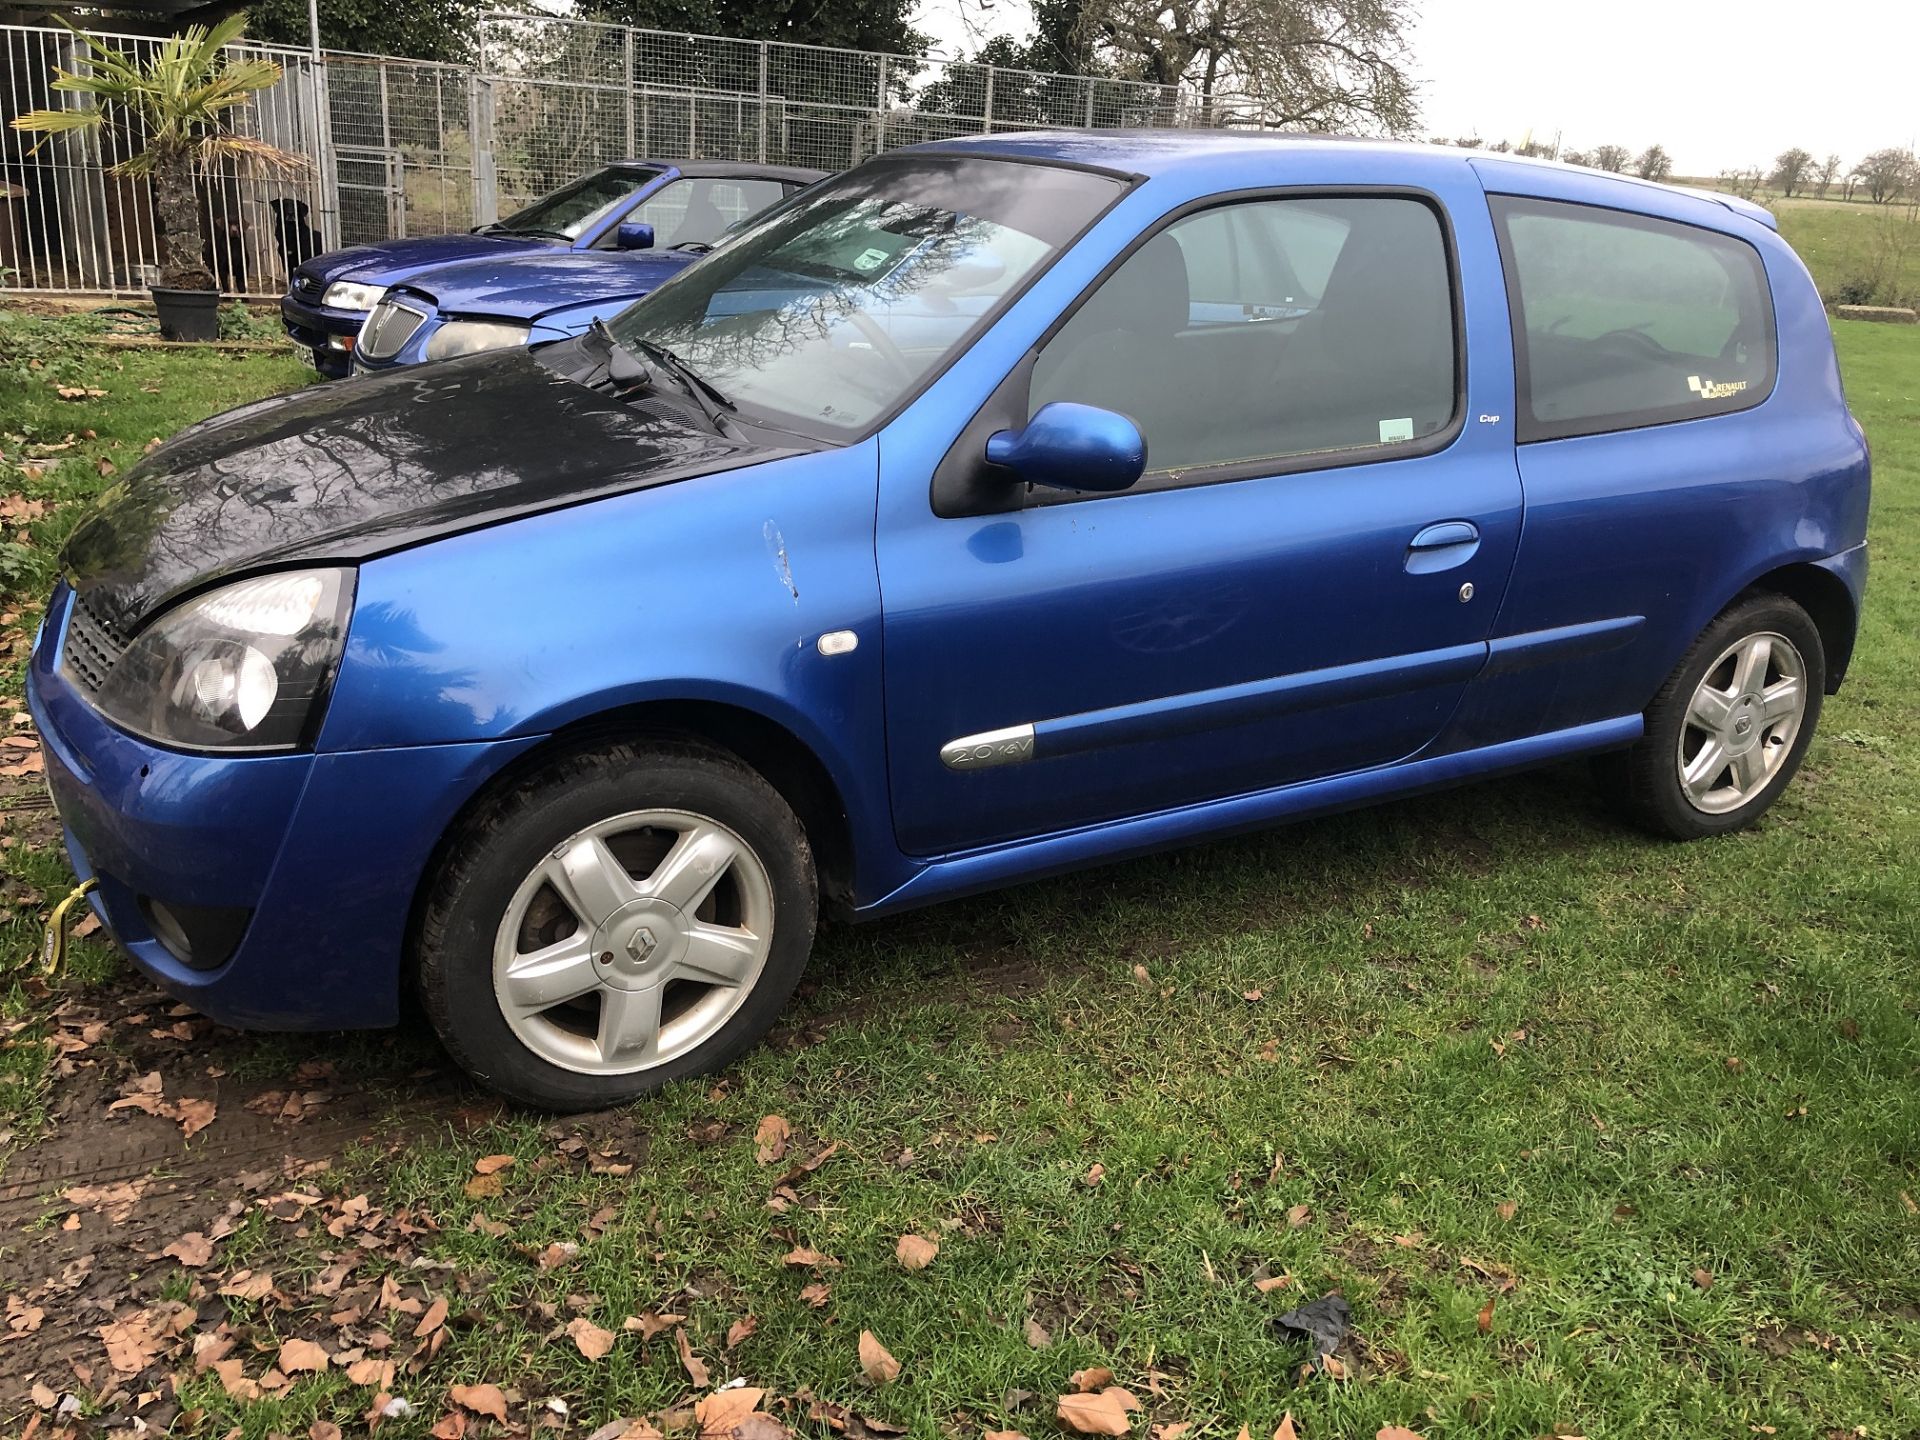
684, 202
998, 507
490, 304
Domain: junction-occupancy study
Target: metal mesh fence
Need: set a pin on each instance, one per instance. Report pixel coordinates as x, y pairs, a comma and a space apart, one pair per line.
67, 223
395, 147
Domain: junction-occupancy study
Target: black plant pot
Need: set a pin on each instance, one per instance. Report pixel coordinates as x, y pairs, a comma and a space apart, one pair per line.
188, 314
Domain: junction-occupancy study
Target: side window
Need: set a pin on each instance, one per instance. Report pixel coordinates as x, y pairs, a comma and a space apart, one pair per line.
696, 211
1269, 330
1622, 321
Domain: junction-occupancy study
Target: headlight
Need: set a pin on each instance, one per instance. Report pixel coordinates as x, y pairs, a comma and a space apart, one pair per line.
470, 337
351, 295
241, 667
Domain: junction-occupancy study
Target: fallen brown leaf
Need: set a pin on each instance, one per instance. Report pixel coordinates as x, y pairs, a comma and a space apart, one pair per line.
589, 1338
915, 1252
1095, 1175
718, 1413
1272, 1283
192, 1250
816, 1294
740, 1330
492, 1164
1038, 1336
770, 1140
234, 1381
1097, 1414
1507, 1209
802, 1256
875, 1363
1703, 1278
690, 1362
651, 1323
435, 1317
1298, 1215
1097, 1377
1286, 1431
1485, 1319
132, 1343
488, 1400
298, 1355
1395, 1432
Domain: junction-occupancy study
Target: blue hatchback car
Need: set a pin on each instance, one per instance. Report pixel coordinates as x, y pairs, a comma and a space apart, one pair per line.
629, 205
1002, 506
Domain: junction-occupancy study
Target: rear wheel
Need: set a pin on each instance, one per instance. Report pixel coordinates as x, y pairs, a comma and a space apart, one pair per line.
617, 920
1729, 728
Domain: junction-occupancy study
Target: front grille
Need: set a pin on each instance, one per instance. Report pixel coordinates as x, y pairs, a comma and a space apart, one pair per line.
389, 327
310, 286
91, 647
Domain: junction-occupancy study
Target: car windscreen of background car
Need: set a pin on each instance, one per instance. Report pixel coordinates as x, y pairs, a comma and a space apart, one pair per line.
574, 209
832, 311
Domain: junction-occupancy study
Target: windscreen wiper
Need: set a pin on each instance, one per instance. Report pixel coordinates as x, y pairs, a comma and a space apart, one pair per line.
709, 397
623, 365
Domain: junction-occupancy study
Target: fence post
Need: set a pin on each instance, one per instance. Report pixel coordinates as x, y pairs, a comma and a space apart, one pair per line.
1091, 82
627, 91
880, 125
763, 101
986, 116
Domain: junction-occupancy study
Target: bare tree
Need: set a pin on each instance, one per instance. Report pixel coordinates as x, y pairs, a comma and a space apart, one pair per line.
1824, 177
1745, 183
1611, 157
1577, 157
1654, 163
1469, 142
1886, 174
1328, 64
1793, 170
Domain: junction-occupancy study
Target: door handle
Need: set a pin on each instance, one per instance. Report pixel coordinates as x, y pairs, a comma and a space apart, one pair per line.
1442, 546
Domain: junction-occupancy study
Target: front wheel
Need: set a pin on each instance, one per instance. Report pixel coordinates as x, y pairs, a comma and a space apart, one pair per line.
617, 920
1730, 727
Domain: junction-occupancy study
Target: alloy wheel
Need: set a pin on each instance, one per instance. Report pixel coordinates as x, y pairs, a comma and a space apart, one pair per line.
633, 941
1741, 722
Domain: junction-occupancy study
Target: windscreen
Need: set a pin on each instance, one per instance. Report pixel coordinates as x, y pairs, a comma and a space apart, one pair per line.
572, 210
827, 312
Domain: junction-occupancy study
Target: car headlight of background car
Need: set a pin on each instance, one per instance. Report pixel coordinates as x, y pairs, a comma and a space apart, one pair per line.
352, 295
470, 337
240, 667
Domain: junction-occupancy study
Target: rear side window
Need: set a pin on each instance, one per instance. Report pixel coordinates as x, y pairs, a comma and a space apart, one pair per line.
1621, 320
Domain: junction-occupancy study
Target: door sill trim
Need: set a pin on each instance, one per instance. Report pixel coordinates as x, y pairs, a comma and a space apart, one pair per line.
970, 872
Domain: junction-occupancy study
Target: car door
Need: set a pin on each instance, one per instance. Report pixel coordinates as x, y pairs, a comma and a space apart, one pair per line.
1302, 584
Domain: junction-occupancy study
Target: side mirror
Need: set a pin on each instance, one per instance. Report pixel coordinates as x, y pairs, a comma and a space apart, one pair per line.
1069, 446
633, 235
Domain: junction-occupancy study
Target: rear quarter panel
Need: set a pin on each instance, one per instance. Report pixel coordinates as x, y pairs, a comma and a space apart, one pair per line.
1669, 522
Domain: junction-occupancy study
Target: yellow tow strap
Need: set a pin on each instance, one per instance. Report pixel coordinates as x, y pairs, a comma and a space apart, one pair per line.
53, 950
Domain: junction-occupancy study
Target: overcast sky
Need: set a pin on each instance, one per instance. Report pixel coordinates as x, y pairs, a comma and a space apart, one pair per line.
1720, 84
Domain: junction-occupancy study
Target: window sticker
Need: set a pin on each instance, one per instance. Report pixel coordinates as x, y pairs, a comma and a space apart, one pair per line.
870, 259
1708, 390
1392, 430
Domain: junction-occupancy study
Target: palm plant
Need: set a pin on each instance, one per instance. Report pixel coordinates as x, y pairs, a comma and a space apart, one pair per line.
181, 97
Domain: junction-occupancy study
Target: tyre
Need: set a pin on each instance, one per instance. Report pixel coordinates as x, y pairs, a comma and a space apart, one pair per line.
616, 920
1728, 729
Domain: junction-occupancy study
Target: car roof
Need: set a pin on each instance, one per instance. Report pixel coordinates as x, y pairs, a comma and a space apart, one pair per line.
717, 169
1164, 152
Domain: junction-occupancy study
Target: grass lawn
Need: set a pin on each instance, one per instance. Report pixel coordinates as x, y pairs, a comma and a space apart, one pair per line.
1598, 1135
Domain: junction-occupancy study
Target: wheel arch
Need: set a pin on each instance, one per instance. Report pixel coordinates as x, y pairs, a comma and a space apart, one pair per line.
1828, 603
765, 746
